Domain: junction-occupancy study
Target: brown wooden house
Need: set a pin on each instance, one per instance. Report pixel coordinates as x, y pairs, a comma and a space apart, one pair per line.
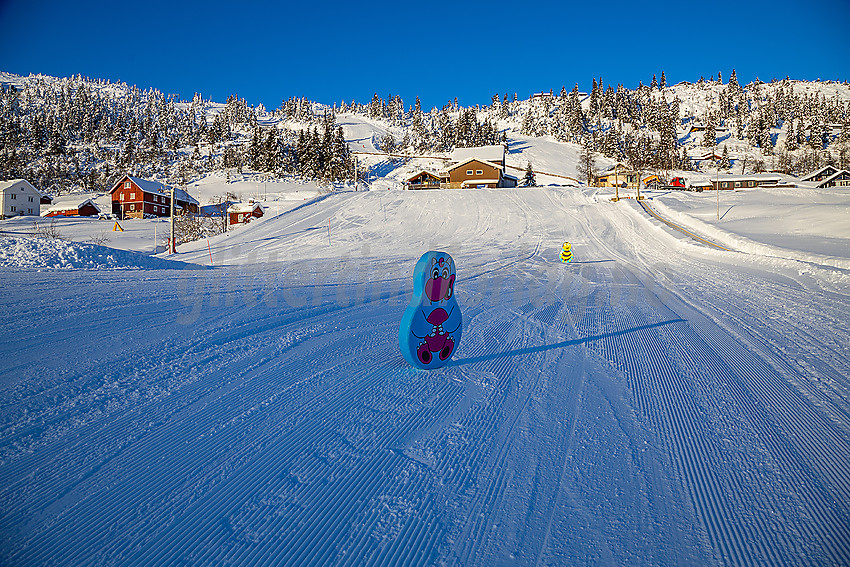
477, 173
133, 197
423, 180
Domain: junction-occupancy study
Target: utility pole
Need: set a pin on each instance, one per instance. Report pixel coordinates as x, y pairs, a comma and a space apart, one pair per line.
355, 172
616, 181
717, 180
171, 247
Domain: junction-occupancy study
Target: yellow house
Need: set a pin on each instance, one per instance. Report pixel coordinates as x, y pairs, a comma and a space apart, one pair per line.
618, 175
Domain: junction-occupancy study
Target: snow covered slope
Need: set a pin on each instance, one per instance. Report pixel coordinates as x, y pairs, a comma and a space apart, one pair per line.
654, 402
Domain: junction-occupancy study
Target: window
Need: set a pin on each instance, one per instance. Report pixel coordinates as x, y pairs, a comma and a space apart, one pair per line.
31, 200
132, 207
12, 196
128, 185
479, 172
724, 184
121, 196
469, 172
155, 209
29, 211
14, 208
737, 184
132, 196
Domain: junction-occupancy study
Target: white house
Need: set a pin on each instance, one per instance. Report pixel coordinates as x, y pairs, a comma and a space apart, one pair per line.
18, 197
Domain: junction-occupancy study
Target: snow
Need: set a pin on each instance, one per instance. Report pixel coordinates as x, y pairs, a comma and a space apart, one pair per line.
657, 401
25, 253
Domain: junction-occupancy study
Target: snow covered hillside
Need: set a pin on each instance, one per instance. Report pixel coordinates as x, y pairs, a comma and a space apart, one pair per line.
657, 401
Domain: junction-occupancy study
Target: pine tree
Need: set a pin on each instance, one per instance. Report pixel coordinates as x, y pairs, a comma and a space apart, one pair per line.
725, 162
529, 179
790, 136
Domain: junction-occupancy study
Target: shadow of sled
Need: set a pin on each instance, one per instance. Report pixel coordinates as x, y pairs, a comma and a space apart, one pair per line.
531, 350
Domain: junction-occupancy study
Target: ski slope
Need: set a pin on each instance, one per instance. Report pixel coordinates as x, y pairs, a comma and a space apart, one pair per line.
654, 402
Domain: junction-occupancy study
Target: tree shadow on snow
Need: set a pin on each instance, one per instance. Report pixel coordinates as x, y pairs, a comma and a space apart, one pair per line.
532, 350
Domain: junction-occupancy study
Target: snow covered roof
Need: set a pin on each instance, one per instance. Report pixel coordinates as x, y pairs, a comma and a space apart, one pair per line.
814, 174
244, 207
486, 153
158, 188
833, 176
759, 176
12, 182
70, 203
215, 209
466, 161
610, 169
420, 172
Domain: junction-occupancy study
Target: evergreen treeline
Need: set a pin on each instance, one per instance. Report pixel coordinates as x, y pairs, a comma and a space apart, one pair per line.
62, 133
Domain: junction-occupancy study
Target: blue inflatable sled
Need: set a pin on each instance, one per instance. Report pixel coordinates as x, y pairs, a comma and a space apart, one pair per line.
431, 325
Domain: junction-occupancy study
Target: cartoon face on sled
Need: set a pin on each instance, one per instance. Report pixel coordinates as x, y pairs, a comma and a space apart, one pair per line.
431, 325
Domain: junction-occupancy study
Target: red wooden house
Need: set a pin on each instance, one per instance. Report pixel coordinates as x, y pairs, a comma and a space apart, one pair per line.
133, 197
244, 212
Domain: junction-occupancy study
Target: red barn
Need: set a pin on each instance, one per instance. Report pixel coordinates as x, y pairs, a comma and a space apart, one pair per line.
72, 207
133, 197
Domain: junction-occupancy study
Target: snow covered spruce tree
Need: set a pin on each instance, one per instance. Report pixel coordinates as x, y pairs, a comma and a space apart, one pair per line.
529, 180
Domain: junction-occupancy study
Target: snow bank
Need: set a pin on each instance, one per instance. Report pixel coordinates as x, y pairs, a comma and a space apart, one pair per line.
746, 244
23, 253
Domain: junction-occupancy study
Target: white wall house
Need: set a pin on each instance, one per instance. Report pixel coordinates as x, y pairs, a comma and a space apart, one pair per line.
19, 197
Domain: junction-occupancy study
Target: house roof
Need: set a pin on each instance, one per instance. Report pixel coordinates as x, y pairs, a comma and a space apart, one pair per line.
420, 172
467, 160
818, 172
486, 153
70, 203
833, 176
12, 182
215, 209
158, 188
623, 168
244, 207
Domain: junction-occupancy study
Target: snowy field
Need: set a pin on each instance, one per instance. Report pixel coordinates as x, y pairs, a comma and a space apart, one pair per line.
657, 401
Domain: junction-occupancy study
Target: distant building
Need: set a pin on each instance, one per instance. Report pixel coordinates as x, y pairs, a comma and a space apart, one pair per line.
821, 174
244, 212
839, 178
493, 154
480, 167
72, 206
423, 180
18, 197
617, 175
133, 197
740, 181
216, 210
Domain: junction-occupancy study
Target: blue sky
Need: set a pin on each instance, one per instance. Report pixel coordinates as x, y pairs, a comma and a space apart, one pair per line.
329, 51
